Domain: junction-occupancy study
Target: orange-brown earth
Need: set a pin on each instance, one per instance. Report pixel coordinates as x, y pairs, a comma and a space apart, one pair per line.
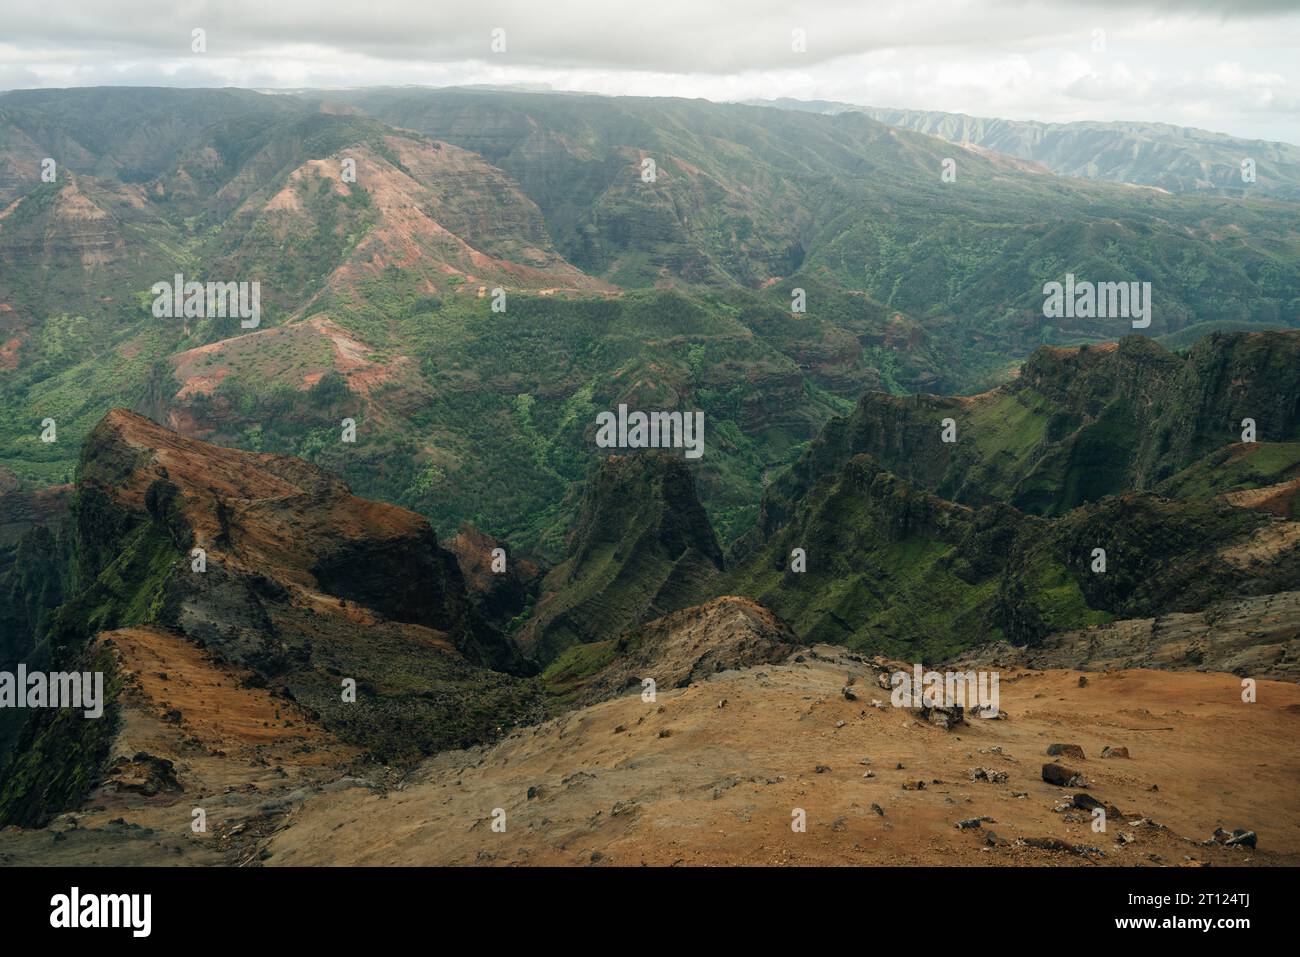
713, 773
707, 774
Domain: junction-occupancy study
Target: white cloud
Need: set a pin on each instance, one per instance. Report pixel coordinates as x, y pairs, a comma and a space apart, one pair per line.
1228, 65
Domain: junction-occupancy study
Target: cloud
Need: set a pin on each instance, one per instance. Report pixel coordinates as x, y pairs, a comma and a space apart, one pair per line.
1020, 59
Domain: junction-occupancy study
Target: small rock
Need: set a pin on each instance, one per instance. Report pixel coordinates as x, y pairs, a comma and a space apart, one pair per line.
1240, 837
1061, 776
1086, 802
1109, 752
1066, 750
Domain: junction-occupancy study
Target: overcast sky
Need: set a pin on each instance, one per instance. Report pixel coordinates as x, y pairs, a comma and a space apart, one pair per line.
1228, 65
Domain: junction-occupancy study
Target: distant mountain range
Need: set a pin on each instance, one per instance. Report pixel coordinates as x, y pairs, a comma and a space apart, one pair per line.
1180, 159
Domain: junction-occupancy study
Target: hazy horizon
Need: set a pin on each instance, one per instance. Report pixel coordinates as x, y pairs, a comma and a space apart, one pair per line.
1210, 64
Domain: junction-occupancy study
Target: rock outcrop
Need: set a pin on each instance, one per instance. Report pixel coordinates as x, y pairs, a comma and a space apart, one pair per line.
346, 607
690, 645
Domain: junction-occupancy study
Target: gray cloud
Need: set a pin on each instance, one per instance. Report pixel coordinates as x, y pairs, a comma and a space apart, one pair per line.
1019, 59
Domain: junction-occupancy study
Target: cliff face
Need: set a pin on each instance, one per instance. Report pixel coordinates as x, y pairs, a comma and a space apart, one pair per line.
59, 225
499, 593
1077, 425
275, 568
642, 547
272, 517
868, 560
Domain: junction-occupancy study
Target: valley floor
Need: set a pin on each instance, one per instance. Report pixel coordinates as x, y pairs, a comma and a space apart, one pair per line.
710, 775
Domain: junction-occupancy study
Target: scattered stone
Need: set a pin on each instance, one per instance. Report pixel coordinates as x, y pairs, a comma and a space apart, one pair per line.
1240, 837
620, 729
984, 774
878, 809
839, 724
848, 694
913, 785
1083, 681
665, 733
1046, 843
946, 718
722, 703
1109, 752
869, 774
1124, 838
821, 769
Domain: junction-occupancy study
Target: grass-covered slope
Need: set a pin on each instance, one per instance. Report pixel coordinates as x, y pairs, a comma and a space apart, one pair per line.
1074, 426
642, 547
